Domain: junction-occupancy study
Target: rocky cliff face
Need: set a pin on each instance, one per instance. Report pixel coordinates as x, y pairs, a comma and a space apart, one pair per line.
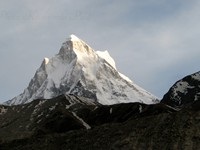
79, 70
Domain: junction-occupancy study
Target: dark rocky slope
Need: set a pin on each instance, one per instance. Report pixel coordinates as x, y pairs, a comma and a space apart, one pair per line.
66, 116
165, 129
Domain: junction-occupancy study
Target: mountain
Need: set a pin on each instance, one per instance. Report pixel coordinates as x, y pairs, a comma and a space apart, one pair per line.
79, 70
184, 92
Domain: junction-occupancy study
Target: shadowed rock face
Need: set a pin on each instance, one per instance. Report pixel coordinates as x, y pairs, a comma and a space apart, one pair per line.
183, 92
47, 116
65, 113
126, 127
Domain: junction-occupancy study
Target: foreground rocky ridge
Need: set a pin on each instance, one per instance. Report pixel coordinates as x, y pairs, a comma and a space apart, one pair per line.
54, 115
65, 113
121, 126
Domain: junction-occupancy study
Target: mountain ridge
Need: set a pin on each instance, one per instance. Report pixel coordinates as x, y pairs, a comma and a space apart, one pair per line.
71, 122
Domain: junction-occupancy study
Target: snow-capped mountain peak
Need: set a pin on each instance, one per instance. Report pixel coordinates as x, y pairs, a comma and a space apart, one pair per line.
73, 37
76, 46
79, 70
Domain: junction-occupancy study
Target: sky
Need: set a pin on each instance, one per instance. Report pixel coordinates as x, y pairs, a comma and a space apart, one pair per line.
153, 42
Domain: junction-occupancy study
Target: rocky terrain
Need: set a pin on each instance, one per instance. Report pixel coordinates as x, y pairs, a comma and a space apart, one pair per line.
66, 122
43, 119
120, 126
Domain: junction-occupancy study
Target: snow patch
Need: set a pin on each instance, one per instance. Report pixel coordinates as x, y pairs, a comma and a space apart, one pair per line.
46, 60
39, 121
3, 110
196, 76
70, 101
105, 55
197, 97
40, 115
176, 109
111, 110
30, 105
72, 37
52, 108
81, 120
181, 87
95, 108
125, 77
40, 103
37, 108
140, 108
